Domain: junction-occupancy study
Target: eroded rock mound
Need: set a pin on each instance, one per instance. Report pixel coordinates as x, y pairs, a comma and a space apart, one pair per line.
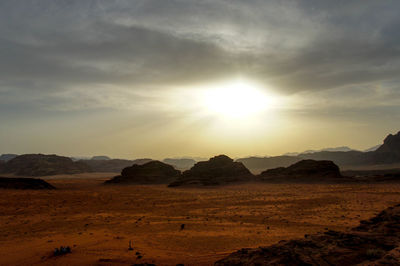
154, 172
216, 171
305, 170
374, 242
42, 165
24, 183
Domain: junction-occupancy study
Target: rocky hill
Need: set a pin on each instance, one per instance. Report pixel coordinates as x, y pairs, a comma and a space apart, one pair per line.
374, 242
42, 165
305, 170
216, 171
154, 172
24, 183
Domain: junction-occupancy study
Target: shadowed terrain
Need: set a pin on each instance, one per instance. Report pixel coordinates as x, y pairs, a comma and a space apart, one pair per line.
24, 183
375, 241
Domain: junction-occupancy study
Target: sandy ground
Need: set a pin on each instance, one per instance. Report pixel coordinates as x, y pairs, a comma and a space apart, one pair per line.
98, 221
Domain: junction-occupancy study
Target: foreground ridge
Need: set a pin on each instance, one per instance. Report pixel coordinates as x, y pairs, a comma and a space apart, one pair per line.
374, 242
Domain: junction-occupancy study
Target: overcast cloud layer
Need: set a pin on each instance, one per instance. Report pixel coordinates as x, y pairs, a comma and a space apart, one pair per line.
65, 60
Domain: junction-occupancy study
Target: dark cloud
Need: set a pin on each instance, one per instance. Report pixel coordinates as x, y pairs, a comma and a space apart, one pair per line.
52, 46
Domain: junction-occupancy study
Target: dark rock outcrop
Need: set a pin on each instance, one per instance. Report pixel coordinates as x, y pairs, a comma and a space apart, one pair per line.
24, 183
389, 151
7, 157
154, 172
390, 144
374, 242
216, 171
42, 165
305, 170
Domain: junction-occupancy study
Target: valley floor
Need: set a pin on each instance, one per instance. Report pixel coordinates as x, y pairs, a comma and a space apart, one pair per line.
98, 221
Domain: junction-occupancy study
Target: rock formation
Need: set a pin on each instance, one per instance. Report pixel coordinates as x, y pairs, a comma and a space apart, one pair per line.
154, 172
42, 165
390, 144
305, 170
389, 151
24, 183
216, 171
374, 242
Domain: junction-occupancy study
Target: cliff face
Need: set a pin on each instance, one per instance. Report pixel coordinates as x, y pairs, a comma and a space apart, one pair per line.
216, 171
154, 172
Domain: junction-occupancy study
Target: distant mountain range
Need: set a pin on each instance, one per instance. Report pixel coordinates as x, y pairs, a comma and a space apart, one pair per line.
342, 148
387, 153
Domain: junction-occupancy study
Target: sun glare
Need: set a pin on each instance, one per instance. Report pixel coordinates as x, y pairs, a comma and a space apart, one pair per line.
236, 99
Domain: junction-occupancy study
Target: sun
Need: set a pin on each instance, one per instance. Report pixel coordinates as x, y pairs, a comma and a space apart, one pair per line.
236, 99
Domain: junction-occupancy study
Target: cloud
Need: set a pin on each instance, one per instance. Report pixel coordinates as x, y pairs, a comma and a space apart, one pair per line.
117, 54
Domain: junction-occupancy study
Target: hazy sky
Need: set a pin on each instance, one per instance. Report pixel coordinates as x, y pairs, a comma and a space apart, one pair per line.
137, 78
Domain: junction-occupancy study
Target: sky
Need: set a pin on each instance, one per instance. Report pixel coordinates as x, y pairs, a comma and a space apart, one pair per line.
157, 79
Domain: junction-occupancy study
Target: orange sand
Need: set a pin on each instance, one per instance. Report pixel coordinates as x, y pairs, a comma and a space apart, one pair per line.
98, 221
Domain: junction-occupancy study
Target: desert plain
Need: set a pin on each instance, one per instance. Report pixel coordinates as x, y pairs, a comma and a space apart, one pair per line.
98, 221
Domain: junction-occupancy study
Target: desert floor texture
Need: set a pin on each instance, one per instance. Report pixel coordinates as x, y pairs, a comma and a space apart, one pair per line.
98, 221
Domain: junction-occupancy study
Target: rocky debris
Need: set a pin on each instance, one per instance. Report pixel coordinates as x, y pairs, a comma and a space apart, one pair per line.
24, 183
62, 251
216, 171
305, 170
373, 242
42, 165
153, 172
7, 157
